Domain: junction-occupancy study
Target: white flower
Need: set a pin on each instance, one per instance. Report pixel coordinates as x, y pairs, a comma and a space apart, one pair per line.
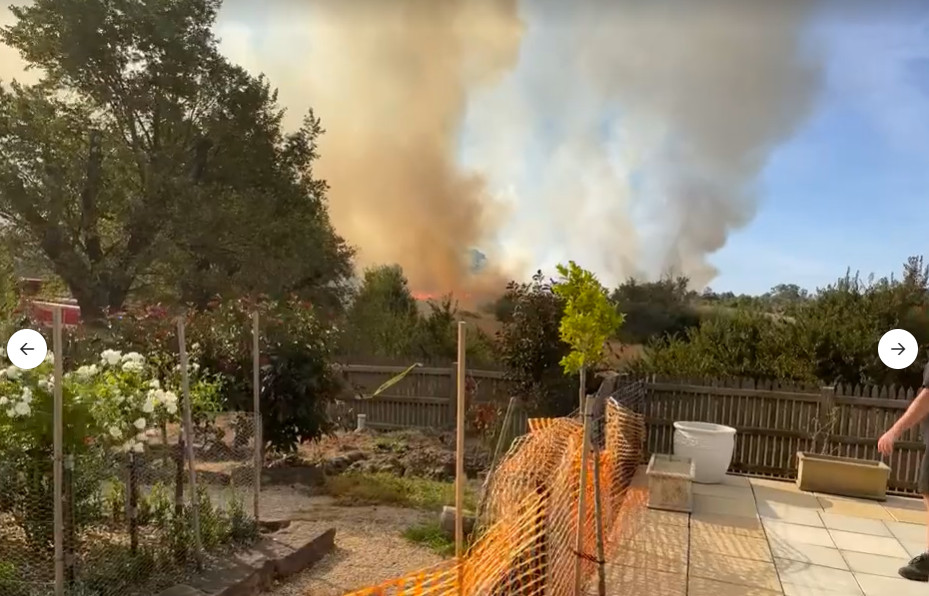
138, 447
13, 373
149, 406
4, 400
11, 413
133, 366
133, 357
195, 347
110, 357
194, 366
127, 446
120, 398
23, 409
87, 371
42, 383
139, 423
116, 432
50, 357
169, 397
154, 384
171, 407
27, 395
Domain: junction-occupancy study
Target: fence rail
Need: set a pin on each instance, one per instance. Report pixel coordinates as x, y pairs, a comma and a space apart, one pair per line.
773, 420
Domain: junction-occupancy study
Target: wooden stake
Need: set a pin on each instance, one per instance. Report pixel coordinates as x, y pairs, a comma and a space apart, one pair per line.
460, 478
582, 495
189, 440
593, 406
58, 447
256, 407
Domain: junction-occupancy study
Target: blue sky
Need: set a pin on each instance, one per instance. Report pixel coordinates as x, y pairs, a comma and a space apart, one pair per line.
847, 189
851, 189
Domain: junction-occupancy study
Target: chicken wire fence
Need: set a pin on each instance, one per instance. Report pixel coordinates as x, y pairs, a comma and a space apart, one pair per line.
131, 524
528, 547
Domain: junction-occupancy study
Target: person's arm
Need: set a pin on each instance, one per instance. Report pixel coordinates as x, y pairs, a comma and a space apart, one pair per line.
916, 411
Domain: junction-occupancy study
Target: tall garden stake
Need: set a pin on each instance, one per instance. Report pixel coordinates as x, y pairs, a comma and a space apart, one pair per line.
189, 440
256, 406
58, 461
593, 414
582, 497
588, 322
460, 478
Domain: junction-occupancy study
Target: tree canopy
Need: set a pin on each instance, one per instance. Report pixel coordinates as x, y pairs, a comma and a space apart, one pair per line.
144, 161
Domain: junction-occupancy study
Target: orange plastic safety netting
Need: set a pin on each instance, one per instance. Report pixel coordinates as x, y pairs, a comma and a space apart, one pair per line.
527, 546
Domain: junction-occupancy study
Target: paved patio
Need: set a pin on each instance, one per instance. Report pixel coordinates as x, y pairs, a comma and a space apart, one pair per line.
760, 537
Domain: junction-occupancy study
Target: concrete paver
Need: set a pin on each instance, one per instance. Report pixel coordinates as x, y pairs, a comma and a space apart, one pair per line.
848, 523
793, 533
734, 570
813, 554
763, 537
727, 524
863, 543
805, 575
700, 586
872, 564
876, 585
804, 516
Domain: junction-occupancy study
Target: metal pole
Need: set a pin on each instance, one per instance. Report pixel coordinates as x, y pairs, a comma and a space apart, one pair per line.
189, 440
256, 406
58, 462
460, 478
582, 494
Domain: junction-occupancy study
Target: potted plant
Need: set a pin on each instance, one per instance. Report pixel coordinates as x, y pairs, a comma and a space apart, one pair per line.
709, 446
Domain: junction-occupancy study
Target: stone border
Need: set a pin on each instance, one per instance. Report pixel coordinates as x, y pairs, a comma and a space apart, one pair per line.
303, 558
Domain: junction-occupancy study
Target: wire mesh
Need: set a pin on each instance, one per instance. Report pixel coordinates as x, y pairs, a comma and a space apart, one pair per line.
128, 524
27, 563
126, 527
528, 547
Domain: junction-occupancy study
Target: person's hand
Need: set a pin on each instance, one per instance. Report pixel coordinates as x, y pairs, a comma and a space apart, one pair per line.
886, 443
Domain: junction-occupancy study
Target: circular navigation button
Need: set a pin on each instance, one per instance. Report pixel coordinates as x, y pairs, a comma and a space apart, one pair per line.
26, 349
897, 348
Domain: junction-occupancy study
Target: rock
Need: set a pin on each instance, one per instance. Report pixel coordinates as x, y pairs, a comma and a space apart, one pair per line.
447, 521
273, 525
355, 455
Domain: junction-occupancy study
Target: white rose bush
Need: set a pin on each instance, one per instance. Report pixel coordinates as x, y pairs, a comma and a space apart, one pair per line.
113, 409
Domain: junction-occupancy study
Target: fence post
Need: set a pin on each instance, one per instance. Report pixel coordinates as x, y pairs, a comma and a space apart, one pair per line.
460, 477
58, 461
824, 419
452, 409
189, 436
256, 406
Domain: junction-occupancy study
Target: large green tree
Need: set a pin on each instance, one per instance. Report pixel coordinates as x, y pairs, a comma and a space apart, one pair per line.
144, 160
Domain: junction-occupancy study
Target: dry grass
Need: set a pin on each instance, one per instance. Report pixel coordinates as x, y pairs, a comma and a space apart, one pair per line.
388, 489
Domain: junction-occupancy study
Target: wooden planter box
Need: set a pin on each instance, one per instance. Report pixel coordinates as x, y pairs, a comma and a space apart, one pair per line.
670, 483
844, 476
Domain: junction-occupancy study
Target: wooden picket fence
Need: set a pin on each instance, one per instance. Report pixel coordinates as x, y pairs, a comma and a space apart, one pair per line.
773, 420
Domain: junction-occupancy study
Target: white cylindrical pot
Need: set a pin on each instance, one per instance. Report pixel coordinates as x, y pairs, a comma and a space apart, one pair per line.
709, 446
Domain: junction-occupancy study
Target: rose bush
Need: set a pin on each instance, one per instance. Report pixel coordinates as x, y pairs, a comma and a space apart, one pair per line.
115, 405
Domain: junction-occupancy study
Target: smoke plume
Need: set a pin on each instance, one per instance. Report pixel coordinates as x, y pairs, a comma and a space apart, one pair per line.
629, 136
659, 118
391, 81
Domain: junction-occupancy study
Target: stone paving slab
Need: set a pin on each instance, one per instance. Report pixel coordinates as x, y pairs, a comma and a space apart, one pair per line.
763, 537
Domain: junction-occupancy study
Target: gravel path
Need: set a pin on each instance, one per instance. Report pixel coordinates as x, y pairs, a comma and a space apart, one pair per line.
369, 548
